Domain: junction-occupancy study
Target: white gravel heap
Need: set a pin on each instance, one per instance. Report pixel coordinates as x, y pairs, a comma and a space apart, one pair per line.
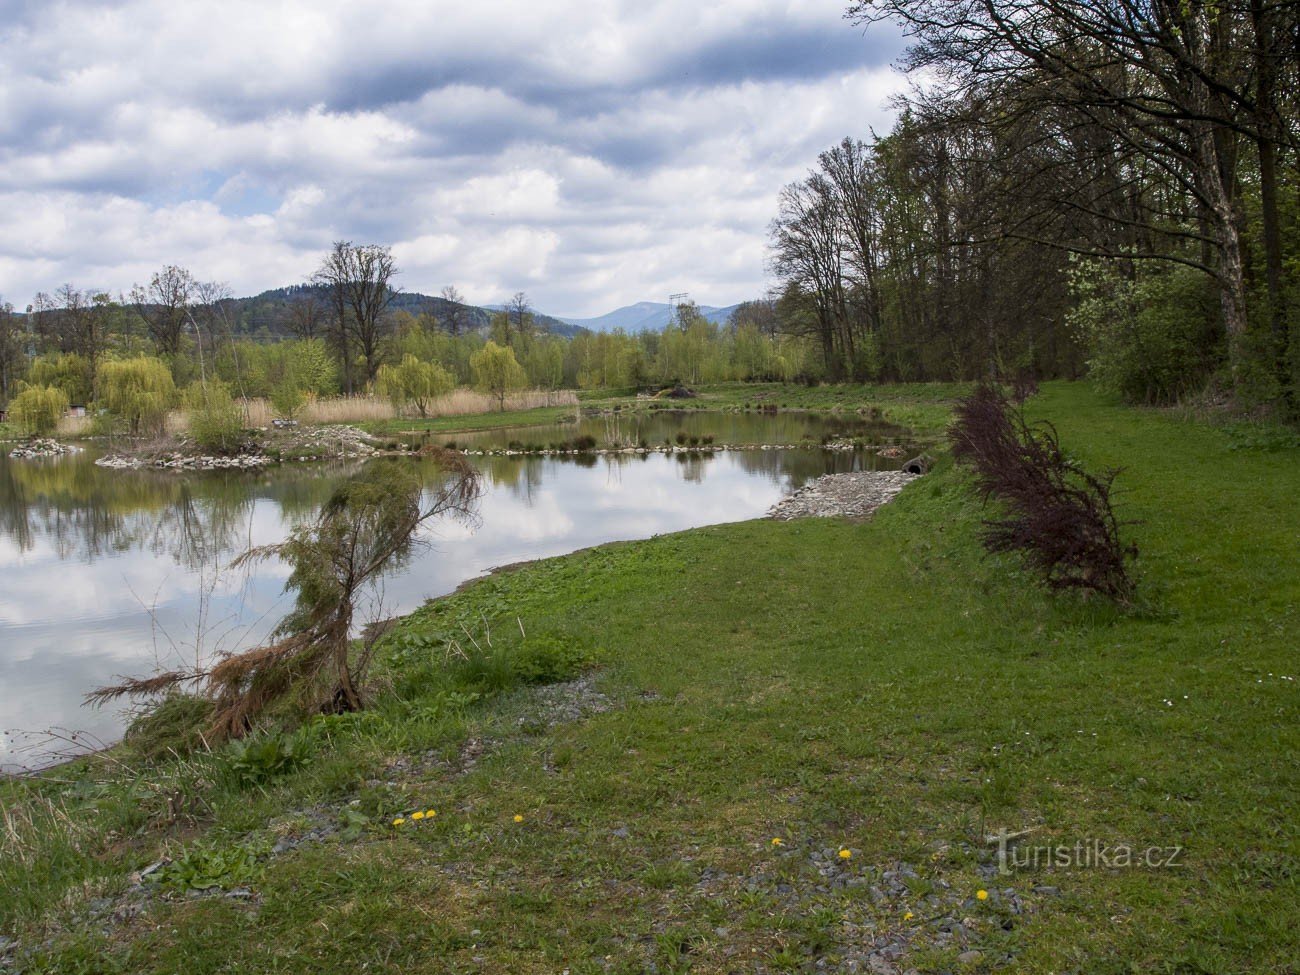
853, 495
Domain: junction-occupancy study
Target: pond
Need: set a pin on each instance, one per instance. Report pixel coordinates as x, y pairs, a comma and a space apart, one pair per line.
106, 573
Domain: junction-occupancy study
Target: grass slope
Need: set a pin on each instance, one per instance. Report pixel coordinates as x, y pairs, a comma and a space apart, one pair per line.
882, 688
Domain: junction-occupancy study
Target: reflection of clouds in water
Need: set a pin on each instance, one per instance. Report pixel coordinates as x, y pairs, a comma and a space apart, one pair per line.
74, 622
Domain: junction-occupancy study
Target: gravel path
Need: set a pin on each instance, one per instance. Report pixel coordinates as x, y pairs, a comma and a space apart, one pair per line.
853, 495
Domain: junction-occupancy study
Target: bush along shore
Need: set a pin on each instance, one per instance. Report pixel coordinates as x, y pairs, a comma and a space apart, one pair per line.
772, 746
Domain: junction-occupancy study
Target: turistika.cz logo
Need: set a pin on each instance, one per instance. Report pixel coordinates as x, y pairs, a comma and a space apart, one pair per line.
1087, 854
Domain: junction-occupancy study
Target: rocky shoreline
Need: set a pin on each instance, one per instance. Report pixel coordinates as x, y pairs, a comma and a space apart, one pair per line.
882, 451
333, 442
854, 495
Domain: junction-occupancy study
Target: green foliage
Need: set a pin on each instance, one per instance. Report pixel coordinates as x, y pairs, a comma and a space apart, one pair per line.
254, 760
136, 393
36, 410
216, 422
550, 659
287, 399
67, 371
497, 372
1149, 338
203, 867
172, 726
414, 383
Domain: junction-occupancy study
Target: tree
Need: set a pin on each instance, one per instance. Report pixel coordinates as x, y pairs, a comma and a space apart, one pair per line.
520, 315
11, 349
36, 410
365, 528
1174, 88
165, 305
497, 372
305, 315
68, 371
137, 392
416, 383
358, 278
454, 313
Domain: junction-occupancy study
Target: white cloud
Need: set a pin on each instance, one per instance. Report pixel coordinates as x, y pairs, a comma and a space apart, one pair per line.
592, 154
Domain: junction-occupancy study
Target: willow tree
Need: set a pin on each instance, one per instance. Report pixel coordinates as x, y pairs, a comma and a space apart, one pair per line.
497, 372
36, 410
137, 392
414, 383
367, 527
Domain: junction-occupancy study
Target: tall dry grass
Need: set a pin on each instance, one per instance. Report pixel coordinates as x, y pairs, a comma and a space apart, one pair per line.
359, 409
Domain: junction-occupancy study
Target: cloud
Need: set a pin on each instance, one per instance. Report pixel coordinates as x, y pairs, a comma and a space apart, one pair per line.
592, 154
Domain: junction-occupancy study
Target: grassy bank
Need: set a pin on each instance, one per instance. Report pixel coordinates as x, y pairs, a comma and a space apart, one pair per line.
472, 423
923, 407
881, 689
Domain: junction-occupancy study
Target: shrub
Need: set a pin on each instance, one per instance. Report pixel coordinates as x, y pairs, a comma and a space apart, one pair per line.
1151, 339
287, 399
36, 410
1057, 514
216, 423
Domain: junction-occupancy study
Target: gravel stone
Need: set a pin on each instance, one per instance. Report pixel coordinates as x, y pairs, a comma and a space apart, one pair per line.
854, 495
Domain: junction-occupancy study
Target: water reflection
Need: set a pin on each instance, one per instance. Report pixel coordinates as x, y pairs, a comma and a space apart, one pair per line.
104, 573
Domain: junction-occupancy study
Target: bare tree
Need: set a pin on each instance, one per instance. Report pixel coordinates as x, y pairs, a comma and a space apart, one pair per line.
358, 278
305, 315
520, 313
454, 313
164, 305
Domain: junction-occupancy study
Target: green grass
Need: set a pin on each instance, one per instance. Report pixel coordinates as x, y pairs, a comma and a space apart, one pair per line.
923, 407
882, 687
472, 422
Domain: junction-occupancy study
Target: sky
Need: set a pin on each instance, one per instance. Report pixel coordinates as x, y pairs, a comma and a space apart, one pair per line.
591, 154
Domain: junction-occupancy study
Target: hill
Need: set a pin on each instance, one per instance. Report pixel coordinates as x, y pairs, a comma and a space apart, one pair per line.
265, 312
645, 316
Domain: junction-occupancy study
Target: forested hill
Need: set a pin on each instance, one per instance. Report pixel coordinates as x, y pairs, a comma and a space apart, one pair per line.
268, 312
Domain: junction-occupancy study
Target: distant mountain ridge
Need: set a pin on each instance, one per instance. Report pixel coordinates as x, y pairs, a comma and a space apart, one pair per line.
645, 316
266, 310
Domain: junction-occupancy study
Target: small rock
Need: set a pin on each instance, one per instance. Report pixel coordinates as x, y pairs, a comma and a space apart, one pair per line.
969, 957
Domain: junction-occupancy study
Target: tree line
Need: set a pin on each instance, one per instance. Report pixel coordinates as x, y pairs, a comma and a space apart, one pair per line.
1110, 186
343, 333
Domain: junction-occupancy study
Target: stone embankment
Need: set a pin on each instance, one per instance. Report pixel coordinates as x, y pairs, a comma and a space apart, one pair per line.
854, 495
702, 448
333, 442
177, 461
41, 447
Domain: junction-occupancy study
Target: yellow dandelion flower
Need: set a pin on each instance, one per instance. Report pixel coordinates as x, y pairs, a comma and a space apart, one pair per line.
431, 813
777, 841
908, 916
518, 818
417, 815
845, 854
981, 895
398, 821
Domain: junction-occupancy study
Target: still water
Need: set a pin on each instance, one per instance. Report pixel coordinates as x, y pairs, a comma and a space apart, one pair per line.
106, 573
